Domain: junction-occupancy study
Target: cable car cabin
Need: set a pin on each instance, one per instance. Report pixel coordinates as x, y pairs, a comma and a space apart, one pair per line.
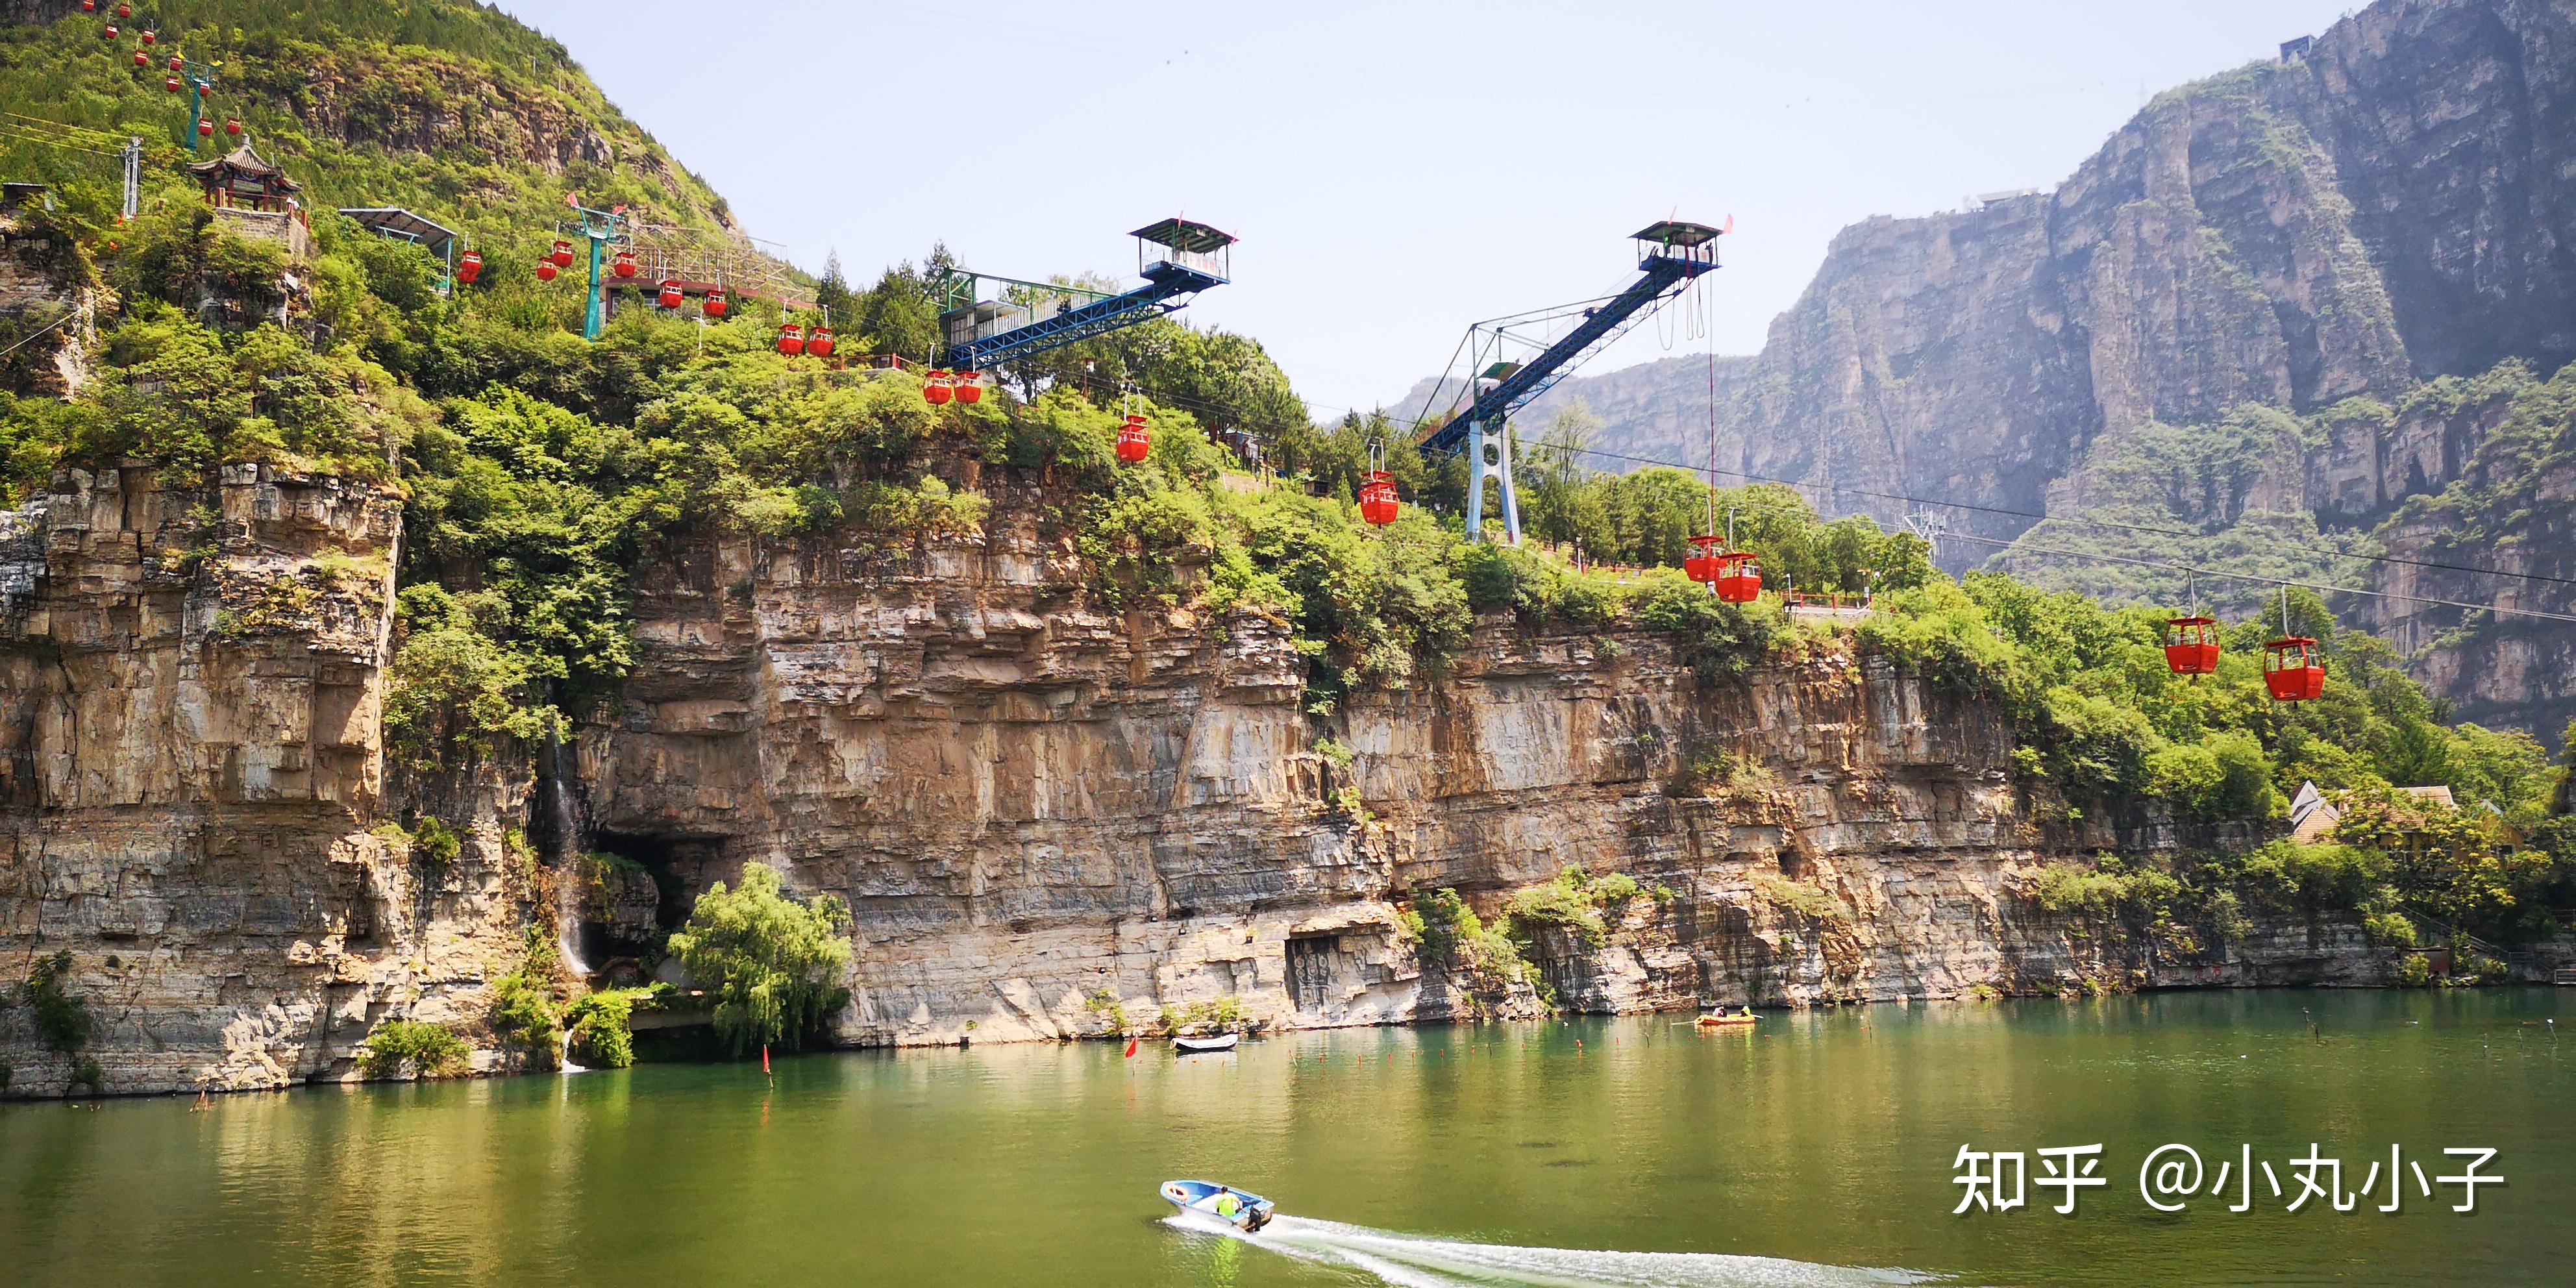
715, 305
970, 388
791, 339
2191, 646
1377, 499
624, 265
936, 389
1133, 441
1701, 566
546, 270
469, 266
2291, 669
819, 343
1739, 577
671, 296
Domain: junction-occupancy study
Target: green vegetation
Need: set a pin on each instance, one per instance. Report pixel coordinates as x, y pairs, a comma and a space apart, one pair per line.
1219, 1015
600, 1033
62, 1021
773, 963
431, 1050
526, 1018
1574, 900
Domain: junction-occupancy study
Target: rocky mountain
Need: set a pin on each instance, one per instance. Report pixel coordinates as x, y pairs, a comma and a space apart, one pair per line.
2391, 203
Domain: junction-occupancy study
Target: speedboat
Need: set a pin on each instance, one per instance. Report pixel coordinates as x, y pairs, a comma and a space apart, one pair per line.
1189, 1046
1245, 1212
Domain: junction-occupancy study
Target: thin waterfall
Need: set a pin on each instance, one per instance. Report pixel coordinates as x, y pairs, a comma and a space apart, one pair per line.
562, 833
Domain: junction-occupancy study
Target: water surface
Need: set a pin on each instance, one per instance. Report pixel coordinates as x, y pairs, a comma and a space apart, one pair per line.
1815, 1149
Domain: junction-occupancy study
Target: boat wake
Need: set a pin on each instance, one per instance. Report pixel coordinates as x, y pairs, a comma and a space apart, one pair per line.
1415, 1261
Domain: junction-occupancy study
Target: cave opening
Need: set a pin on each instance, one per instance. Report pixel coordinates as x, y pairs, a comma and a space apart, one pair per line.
645, 890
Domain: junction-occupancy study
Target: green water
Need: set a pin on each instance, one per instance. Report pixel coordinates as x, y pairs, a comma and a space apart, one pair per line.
1824, 1140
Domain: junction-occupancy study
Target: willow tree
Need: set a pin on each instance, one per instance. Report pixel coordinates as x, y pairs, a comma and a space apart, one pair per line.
774, 963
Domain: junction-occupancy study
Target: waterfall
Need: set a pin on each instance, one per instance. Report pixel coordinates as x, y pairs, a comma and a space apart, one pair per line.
562, 831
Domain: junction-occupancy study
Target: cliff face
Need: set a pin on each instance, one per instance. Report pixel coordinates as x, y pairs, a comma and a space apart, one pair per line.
190, 689
1046, 820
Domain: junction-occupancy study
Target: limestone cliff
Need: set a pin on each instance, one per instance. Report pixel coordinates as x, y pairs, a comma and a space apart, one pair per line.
1047, 821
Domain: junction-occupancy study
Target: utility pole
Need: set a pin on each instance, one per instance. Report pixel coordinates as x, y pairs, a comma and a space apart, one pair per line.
133, 158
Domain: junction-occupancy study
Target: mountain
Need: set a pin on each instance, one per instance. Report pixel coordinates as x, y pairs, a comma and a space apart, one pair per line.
2327, 236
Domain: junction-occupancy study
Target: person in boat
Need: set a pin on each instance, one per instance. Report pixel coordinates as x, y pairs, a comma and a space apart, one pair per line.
1228, 1206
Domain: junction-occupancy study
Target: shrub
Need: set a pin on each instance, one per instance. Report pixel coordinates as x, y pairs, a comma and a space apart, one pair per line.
2389, 929
2414, 970
432, 1050
526, 1020
601, 1034
774, 963
62, 1020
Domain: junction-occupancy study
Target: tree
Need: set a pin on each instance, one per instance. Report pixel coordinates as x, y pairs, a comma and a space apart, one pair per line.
774, 963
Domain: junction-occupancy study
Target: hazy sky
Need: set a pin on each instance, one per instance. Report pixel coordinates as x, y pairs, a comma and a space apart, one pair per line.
1396, 171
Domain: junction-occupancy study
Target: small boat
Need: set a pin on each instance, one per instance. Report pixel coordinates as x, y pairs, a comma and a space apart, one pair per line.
1245, 1212
1721, 1020
1193, 1046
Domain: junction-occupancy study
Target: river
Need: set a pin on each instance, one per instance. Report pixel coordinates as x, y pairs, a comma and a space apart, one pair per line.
1817, 1148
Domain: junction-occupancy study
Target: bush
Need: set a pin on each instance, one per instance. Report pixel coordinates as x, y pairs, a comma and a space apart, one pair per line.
774, 963
62, 1020
2414, 970
526, 1020
432, 1050
602, 1034
2389, 929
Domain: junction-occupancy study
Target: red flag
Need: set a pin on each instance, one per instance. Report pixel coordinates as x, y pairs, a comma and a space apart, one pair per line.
1131, 1048
764, 1057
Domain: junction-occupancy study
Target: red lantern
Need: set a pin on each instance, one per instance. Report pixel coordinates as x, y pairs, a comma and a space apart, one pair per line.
791, 339
935, 389
469, 266
970, 388
148, 36
562, 254
546, 270
1133, 441
1739, 578
820, 342
625, 264
142, 59
205, 129
233, 127
172, 85
1377, 499
2191, 646
715, 305
671, 297
2291, 670
1701, 566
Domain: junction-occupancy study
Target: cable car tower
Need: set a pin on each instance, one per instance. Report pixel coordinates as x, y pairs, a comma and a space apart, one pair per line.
1670, 256
1177, 258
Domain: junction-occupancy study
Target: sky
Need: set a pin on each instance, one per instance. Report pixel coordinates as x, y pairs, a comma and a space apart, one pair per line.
1396, 171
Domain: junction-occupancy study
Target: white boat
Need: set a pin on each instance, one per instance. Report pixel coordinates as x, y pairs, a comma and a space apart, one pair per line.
1245, 1212
1221, 1042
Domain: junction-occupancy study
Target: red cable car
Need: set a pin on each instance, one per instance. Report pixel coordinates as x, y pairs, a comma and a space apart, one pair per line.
1377, 499
2291, 669
562, 253
469, 266
172, 85
2191, 646
624, 264
176, 62
205, 129
546, 270
109, 33
89, 6
1739, 577
820, 342
125, 11
715, 305
1133, 441
791, 339
671, 296
1702, 565
233, 127
935, 389
970, 388
142, 59
148, 36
